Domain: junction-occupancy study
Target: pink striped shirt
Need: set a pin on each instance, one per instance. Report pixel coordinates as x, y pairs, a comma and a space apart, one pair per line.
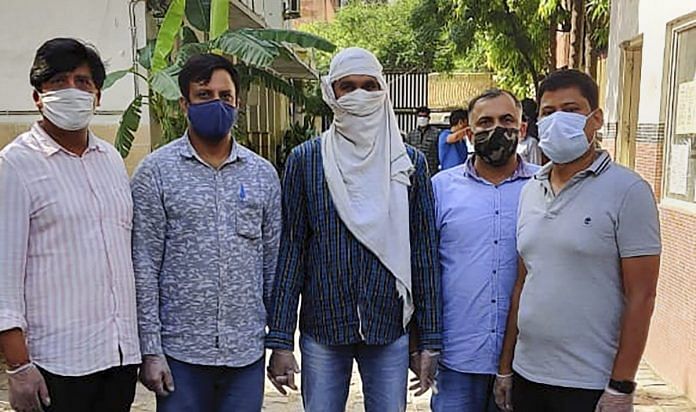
66, 276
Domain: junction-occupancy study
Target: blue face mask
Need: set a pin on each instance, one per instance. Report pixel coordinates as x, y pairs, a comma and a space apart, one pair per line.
212, 120
562, 136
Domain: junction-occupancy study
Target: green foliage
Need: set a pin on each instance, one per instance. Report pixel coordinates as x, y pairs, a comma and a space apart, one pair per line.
198, 14
256, 49
508, 37
385, 30
128, 126
295, 135
598, 18
219, 17
167, 34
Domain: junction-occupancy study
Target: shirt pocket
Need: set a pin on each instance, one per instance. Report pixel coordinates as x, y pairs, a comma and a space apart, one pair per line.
248, 220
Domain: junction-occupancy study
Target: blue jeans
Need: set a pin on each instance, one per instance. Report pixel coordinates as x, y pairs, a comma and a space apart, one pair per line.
326, 372
463, 392
201, 388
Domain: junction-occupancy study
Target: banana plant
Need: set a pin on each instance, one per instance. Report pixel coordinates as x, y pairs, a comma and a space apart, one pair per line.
255, 51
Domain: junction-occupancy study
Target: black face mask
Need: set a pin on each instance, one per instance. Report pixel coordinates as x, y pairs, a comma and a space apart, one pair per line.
495, 146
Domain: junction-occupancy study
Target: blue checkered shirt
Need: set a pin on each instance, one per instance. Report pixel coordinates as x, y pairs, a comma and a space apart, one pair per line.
348, 296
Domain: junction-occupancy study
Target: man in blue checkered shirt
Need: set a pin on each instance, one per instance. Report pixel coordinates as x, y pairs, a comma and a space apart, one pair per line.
359, 245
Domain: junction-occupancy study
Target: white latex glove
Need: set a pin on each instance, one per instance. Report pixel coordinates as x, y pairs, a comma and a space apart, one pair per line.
426, 363
612, 401
502, 392
28, 390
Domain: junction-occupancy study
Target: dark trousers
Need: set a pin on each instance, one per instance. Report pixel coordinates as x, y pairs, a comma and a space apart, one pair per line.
529, 396
110, 390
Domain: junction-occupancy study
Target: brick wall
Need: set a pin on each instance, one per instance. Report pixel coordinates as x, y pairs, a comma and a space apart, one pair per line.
671, 346
672, 342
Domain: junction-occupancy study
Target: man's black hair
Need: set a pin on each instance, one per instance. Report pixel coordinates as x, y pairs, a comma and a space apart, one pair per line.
200, 68
62, 55
492, 94
423, 109
459, 115
569, 78
529, 109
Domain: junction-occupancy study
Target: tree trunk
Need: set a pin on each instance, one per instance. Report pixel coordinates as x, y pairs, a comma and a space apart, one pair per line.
552, 57
590, 53
577, 36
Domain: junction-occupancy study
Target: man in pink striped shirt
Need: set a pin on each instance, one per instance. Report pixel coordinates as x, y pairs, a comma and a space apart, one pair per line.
68, 327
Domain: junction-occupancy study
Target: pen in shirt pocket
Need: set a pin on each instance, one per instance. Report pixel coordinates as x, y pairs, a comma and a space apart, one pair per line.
242, 192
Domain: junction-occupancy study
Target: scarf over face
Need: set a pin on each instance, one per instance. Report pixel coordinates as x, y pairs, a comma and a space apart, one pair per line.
367, 168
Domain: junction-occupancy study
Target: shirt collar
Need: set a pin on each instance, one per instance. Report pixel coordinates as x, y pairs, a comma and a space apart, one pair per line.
187, 150
523, 170
49, 146
600, 164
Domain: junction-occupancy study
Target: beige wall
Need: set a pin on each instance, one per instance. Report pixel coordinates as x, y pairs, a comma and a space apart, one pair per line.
104, 128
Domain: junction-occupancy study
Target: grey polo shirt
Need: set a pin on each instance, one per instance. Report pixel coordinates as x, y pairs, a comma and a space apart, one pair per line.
572, 243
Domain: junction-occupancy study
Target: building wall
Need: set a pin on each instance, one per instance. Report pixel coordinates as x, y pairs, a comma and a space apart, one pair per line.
103, 23
316, 10
671, 346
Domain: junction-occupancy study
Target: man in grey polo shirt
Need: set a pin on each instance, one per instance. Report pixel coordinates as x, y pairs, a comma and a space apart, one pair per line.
589, 243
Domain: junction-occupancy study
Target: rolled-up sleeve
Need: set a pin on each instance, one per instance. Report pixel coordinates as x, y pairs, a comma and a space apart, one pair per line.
15, 204
425, 266
149, 226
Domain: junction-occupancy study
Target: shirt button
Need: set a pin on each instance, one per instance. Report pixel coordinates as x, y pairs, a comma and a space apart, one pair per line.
495, 242
492, 330
497, 212
493, 300
495, 271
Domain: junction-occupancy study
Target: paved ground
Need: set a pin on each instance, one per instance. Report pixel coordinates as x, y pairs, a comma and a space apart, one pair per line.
654, 395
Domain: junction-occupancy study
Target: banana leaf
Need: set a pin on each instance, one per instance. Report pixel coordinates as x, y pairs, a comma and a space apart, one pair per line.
130, 121
167, 34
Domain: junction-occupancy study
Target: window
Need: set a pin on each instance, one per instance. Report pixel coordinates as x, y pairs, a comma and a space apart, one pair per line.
680, 171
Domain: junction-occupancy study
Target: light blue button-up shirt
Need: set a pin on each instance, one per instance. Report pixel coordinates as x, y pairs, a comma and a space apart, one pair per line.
478, 258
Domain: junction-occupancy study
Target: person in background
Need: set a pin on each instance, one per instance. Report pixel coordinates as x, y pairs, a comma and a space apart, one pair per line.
476, 216
68, 325
528, 146
452, 148
359, 246
589, 243
206, 229
425, 138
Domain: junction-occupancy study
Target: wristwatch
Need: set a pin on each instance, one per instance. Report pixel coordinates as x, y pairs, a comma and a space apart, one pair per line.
625, 387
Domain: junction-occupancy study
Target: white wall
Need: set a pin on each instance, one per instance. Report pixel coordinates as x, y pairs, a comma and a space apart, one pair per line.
630, 18
26, 24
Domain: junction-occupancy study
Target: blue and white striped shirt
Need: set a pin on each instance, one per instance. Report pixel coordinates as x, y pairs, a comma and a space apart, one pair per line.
348, 296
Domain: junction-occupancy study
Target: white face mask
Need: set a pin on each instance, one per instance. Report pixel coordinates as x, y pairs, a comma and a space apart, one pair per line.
562, 136
422, 121
68, 109
360, 102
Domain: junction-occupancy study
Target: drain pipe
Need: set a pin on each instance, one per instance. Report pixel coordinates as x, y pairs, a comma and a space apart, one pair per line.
134, 42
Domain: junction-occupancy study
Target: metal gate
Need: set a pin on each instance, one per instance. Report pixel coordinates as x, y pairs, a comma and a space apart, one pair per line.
408, 92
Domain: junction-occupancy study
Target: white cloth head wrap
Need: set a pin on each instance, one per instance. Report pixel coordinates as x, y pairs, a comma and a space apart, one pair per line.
367, 168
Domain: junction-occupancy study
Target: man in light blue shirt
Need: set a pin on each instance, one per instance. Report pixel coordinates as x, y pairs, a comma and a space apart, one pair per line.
476, 206
452, 143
